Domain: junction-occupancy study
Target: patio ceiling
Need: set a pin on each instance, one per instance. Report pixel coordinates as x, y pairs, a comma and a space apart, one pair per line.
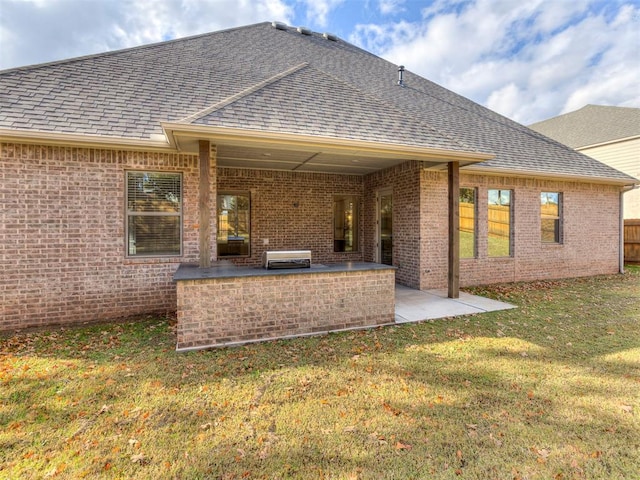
301, 161
267, 151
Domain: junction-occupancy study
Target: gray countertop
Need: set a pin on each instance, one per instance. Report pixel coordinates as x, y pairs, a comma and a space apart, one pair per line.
225, 269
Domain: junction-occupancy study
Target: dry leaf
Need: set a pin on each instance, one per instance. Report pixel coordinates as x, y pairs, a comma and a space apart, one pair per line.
139, 458
543, 452
403, 446
627, 408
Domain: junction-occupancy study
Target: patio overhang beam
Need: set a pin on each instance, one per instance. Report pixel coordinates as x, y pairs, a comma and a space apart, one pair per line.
185, 137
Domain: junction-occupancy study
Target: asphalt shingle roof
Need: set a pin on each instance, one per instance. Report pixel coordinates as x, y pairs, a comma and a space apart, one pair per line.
259, 77
592, 124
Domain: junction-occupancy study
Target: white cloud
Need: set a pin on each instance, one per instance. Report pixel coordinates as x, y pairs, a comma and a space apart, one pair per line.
526, 60
318, 11
101, 26
388, 7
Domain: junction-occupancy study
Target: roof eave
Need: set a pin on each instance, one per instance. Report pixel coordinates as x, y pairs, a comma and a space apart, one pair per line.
493, 171
178, 133
608, 142
85, 140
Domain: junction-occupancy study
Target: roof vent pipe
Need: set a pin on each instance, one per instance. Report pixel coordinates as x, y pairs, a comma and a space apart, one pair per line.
279, 25
304, 31
401, 75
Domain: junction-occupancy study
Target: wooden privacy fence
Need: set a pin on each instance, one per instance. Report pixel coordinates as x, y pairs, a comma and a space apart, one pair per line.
498, 216
632, 240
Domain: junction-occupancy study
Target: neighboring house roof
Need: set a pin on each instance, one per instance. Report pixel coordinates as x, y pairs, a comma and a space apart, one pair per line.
265, 79
591, 125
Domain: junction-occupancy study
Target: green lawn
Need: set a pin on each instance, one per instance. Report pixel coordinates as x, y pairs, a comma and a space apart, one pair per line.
550, 390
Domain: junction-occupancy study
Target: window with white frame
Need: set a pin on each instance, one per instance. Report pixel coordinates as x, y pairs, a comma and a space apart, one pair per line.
154, 214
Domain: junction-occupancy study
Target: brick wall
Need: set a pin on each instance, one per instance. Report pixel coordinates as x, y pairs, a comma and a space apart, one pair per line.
590, 230
215, 312
63, 213
404, 183
292, 211
62, 236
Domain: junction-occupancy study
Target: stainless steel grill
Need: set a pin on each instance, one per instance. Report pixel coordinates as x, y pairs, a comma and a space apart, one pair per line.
287, 259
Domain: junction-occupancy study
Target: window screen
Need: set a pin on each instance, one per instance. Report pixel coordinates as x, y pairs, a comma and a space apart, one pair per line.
154, 214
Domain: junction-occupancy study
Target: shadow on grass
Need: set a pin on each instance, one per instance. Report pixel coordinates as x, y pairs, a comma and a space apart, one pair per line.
546, 389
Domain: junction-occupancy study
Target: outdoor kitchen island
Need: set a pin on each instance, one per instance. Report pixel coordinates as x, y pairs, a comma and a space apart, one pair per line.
227, 305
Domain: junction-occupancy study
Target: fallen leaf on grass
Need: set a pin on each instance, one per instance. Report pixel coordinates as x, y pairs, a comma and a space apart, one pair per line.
542, 453
403, 446
139, 458
627, 408
391, 409
379, 439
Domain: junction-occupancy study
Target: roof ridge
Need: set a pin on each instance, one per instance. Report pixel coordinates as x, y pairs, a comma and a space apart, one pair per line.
244, 93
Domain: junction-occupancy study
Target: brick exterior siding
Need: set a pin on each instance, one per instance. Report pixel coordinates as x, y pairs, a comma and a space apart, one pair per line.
403, 182
590, 231
292, 210
62, 240
216, 312
62, 245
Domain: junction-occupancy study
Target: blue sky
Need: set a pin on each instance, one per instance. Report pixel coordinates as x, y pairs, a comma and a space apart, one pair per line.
529, 60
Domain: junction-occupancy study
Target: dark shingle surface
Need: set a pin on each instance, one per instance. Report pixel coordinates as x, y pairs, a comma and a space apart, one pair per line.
592, 124
340, 91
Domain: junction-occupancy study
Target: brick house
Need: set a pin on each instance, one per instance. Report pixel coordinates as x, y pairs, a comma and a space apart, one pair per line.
119, 168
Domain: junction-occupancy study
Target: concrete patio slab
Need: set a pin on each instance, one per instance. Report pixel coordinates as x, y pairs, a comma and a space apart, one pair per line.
417, 305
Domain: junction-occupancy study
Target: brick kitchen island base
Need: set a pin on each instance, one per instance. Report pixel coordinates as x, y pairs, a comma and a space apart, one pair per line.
227, 305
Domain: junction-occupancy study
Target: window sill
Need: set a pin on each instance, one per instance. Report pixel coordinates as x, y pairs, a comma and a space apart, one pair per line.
152, 260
